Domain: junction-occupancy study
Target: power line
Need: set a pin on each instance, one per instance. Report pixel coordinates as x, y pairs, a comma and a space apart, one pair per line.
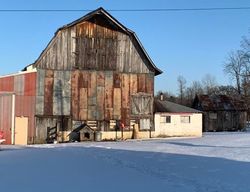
130, 10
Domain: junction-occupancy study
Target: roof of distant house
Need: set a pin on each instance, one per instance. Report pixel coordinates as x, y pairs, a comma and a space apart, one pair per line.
219, 103
167, 106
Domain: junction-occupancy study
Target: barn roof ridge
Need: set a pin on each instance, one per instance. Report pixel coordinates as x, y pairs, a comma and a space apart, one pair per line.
101, 10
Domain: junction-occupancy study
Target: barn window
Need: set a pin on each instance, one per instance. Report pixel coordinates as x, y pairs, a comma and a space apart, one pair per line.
212, 115
185, 119
165, 119
141, 104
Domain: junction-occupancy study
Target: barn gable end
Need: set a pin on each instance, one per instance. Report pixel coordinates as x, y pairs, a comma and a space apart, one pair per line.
96, 41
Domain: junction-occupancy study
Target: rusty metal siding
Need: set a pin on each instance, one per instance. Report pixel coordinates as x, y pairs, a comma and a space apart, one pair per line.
61, 93
30, 84
6, 116
48, 92
7, 84
19, 84
40, 91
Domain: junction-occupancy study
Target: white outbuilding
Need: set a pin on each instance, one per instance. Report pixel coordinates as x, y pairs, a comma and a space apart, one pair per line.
174, 120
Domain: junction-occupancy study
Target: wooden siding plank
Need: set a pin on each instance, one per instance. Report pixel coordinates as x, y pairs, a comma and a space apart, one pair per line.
100, 79
75, 94
117, 103
94, 46
48, 89
83, 104
125, 90
100, 103
92, 96
73, 47
133, 84
141, 83
125, 112
150, 83
117, 80
108, 95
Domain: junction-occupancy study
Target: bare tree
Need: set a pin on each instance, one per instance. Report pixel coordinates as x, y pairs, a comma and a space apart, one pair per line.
209, 83
182, 86
234, 67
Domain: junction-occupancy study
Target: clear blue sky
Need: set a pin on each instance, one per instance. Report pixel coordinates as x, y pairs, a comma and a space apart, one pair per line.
190, 44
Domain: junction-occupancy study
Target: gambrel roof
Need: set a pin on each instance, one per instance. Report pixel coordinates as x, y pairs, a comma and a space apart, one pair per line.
112, 21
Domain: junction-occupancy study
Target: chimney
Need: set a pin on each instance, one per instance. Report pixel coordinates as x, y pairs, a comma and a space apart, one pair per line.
161, 96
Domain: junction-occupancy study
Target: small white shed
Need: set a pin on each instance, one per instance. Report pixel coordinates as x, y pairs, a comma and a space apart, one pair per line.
174, 120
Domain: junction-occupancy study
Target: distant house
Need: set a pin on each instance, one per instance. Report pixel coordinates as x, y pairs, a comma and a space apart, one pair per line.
221, 112
172, 119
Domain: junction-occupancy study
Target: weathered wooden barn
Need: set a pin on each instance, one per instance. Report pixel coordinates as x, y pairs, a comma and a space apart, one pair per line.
221, 112
94, 70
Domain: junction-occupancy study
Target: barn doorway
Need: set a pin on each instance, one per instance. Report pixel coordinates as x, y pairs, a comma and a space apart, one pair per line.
21, 130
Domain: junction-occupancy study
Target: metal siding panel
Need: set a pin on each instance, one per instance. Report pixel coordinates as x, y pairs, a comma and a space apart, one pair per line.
7, 84
19, 84
30, 84
6, 116
57, 94
61, 93
40, 92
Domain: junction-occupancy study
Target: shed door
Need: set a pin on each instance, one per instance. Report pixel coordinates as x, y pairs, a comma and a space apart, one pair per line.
21, 130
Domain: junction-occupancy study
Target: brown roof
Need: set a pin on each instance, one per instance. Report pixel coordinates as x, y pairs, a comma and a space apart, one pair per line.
219, 103
167, 106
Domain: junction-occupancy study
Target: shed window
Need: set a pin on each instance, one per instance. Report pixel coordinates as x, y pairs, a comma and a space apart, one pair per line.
185, 119
165, 119
212, 115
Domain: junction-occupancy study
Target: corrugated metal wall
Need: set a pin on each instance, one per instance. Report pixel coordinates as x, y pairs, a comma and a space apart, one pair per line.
6, 115
24, 88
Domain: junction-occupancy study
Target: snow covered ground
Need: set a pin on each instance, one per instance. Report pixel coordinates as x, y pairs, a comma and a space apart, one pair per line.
215, 162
